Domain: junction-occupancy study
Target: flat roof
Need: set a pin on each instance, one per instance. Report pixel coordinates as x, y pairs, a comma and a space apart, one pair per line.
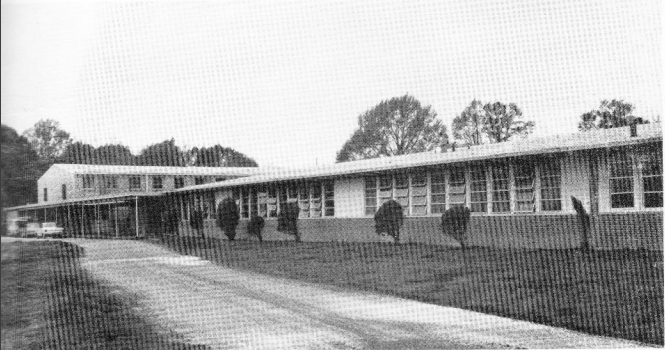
158, 170
597, 139
110, 198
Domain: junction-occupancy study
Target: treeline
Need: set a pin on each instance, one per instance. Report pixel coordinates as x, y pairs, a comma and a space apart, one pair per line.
165, 153
26, 157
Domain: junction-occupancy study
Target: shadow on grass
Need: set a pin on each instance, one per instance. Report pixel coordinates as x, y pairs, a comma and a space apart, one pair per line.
50, 302
610, 293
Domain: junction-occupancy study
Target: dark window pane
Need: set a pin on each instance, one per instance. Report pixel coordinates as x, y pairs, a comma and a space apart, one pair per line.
622, 200
500, 207
479, 207
653, 200
653, 184
501, 196
439, 198
438, 208
621, 185
478, 197
551, 205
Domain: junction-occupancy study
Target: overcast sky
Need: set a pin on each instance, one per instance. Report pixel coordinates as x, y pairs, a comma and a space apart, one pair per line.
284, 82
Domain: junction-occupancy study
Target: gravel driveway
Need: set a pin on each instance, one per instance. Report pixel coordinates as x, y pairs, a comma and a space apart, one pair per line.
230, 309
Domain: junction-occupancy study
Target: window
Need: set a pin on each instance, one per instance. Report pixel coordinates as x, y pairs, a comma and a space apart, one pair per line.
501, 189
218, 179
402, 191
457, 188
64, 191
525, 181
179, 182
385, 188
110, 181
262, 202
272, 202
370, 196
478, 190
156, 182
134, 183
88, 181
315, 200
652, 180
199, 180
303, 200
329, 198
245, 203
550, 186
621, 181
45, 194
419, 193
253, 202
283, 196
438, 192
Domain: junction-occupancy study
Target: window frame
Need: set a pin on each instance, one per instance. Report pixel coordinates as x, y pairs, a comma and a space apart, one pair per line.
155, 182
132, 188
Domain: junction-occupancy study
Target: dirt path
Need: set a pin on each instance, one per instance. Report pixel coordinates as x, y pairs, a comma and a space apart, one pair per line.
230, 309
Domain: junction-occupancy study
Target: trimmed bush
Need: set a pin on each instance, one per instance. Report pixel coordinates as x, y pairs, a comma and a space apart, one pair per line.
287, 220
228, 217
196, 221
255, 227
585, 223
389, 219
455, 222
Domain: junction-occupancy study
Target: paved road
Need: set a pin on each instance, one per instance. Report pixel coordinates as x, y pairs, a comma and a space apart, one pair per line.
230, 309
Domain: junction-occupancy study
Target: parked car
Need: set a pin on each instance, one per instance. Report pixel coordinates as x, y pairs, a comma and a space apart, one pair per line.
16, 227
50, 229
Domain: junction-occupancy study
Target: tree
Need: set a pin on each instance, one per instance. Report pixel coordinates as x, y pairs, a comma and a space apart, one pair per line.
388, 219
114, 155
218, 156
20, 167
165, 153
47, 139
469, 126
79, 153
228, 217
455, 222
255, 226
287, 220
610, 114
394, 127
502, 122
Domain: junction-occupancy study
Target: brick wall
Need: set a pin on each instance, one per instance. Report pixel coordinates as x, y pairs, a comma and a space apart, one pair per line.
612, 231
627, 231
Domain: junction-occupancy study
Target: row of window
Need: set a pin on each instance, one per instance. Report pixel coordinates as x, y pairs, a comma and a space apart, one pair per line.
502, 188
315, 199
135, 183
636, 174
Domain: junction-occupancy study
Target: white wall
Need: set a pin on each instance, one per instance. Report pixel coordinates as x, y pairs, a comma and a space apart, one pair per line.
350, 197
52, 180
575, 181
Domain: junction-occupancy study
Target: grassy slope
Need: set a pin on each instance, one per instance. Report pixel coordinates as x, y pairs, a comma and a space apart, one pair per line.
49, 302
618, 294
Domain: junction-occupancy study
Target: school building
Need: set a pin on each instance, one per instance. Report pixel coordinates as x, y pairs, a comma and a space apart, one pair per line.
519, 193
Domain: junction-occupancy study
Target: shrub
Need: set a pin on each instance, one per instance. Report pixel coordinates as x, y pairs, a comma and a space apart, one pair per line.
287, 220
585, 223
255, 226
388, 219
455, 222
228, 217
196, 221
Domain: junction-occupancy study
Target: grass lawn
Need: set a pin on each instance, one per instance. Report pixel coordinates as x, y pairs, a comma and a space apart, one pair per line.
612, 293
49, 302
